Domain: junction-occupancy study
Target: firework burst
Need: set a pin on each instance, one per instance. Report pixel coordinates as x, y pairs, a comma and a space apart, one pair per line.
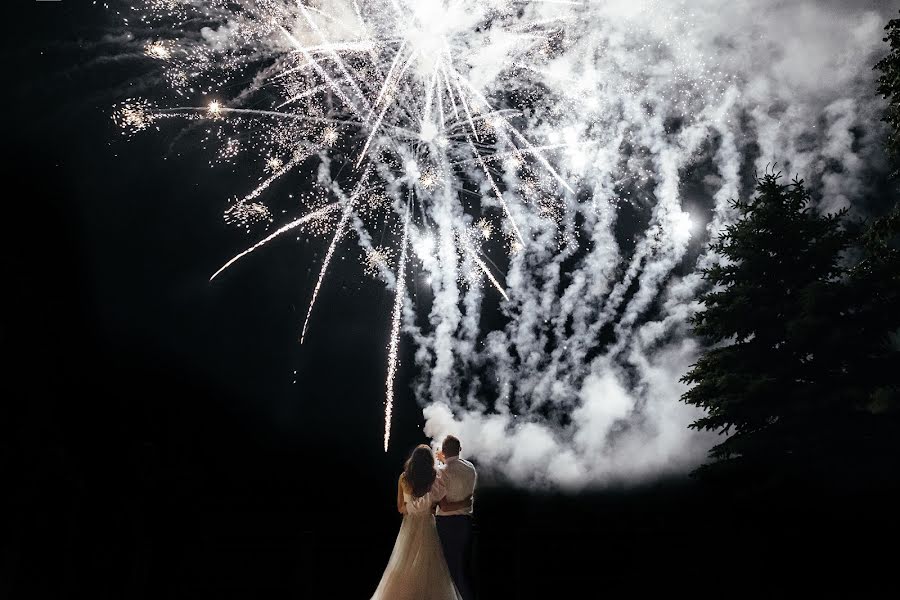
391, 95
377, 261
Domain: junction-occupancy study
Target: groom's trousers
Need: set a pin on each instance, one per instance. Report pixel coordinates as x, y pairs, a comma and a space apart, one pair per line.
455, 532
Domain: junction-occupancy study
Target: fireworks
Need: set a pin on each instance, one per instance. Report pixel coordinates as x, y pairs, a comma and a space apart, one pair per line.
385, 90
377, 260
293, 224
485, 227
393, 359
569, 134
273, 163
329, 136
429, 179
484, 268
244, 214
133, 116
157, 50
229, 150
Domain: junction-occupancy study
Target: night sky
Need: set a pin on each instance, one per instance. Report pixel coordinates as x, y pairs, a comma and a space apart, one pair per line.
169, 437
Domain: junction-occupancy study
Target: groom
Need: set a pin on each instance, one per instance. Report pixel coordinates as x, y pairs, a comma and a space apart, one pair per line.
454, 514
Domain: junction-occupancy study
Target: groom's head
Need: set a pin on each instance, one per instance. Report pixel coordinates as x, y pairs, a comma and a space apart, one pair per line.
450, 447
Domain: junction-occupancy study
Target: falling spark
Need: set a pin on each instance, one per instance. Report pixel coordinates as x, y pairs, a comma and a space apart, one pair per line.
134, 115
274, 163
377, 260
485, 269
338, 233
429, 179
498, 194
485, 227
157, 50
329, 136
395, 334
304, 219
245, 214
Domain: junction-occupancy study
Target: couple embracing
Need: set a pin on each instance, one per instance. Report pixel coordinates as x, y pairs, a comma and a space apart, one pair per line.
431, 559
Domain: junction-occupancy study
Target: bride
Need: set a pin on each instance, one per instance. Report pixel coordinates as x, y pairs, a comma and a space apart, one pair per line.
417, 569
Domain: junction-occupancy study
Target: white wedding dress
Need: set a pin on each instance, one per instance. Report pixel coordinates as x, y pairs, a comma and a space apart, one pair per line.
417, 569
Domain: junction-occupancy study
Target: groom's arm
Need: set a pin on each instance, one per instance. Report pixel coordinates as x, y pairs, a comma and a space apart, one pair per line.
447, 505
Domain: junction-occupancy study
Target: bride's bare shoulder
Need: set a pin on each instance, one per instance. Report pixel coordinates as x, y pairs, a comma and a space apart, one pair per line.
402, 481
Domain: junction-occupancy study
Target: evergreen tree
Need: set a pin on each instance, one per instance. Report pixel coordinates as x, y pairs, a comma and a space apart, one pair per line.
876, 278
773, 373
873, 300
803, 325
889, 86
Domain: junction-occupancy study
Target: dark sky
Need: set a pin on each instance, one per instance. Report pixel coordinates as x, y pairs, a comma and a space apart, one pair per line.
117, 240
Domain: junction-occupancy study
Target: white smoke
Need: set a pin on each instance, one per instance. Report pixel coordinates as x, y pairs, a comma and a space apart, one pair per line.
581, 386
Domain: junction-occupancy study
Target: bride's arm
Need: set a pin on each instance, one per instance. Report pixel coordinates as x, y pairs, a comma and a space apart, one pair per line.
401, 503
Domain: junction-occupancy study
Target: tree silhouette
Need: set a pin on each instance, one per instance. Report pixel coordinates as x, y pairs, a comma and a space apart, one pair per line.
872, 333
802, 323
875, 279
889, 86
773, 373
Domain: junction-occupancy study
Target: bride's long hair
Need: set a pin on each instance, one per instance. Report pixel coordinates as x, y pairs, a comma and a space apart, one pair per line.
419, 470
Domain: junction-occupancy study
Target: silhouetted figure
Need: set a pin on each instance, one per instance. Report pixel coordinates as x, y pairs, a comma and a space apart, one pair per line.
455, 515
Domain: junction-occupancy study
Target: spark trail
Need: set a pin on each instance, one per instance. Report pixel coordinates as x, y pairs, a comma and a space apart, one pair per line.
283, 229
396, 321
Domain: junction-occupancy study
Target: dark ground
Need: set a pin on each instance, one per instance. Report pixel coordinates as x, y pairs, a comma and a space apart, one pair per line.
154, 444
